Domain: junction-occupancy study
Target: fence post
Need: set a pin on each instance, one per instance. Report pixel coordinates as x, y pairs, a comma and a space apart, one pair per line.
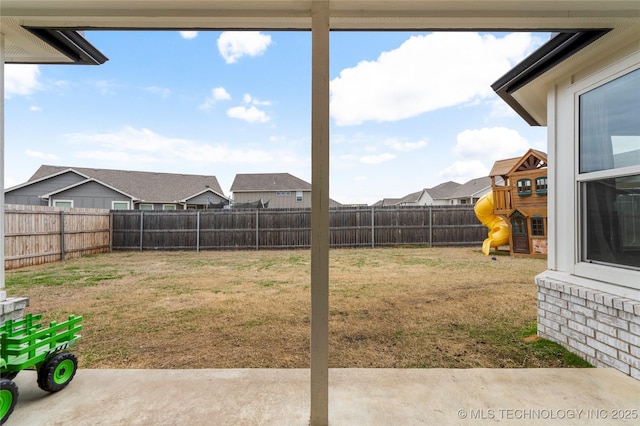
141, 225
257, 229
373, 230
198, 233
62, 235
430, 226
110, 232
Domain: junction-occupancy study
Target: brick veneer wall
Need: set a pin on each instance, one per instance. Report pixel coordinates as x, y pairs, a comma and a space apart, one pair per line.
13, 308
602, 328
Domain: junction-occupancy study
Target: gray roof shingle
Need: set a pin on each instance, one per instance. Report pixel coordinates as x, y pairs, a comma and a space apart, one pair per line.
145, 186
268, 182
443, 190
471, 188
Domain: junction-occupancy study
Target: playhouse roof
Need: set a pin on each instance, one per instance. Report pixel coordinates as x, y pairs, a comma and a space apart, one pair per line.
532, 157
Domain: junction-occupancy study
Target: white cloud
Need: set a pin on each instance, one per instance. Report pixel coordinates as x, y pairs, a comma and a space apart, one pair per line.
235, 44
162, 91
248, 99
377, 159
40, 155
106, 87
426, 73
478, 149
464, 171
250, 115
20, 80
188, 34
217, 94
407, 146
35, 108
138, 147
495, 143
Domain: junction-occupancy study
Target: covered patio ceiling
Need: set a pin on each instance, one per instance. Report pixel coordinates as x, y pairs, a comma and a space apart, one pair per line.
24, 22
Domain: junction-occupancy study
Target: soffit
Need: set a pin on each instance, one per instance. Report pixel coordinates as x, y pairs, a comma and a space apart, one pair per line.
622, 41
21, 45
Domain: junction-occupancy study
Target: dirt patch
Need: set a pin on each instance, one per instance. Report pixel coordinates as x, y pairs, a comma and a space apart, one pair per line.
408, 307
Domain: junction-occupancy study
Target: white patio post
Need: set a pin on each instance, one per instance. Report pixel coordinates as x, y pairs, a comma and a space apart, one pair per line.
320, 213
3, 293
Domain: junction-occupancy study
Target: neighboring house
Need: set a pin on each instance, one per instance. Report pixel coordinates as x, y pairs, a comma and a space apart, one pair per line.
470, 192
520, 188
272, 190
116, 189
439, 194
386, 202
444, 194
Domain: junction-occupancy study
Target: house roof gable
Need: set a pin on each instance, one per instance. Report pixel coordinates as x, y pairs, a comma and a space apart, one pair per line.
200, 193
82, 183
36, 179
531, 160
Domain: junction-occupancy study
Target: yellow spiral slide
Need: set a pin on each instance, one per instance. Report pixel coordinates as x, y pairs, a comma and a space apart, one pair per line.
498, 227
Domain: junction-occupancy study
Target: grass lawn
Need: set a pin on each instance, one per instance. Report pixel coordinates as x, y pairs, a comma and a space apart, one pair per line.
396, 307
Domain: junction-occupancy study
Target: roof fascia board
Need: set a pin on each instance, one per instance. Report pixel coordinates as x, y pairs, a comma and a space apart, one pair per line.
84, 182
71, 44
525, 157
23, 185
184, 200
556, 50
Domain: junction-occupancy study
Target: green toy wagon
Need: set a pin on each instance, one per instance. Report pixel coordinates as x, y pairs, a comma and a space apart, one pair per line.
26, 345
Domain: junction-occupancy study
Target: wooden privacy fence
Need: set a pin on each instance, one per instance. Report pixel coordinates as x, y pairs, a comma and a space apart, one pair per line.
35, 234
291, 228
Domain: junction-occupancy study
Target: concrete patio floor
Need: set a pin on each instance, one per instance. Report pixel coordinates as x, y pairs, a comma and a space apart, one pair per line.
356, 397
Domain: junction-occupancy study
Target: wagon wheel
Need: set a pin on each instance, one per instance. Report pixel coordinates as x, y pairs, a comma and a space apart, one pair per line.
57, 372
8, 398
9, 375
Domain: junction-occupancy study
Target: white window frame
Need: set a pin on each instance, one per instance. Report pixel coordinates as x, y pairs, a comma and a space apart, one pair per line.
146, 206
615, 275
169, 207
70, 206
299, 196
113, 205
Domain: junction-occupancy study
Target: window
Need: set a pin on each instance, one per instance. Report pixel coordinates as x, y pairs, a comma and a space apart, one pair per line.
145, 206
119, 205
283, 193
609, 172
541, 185
63, 203
168, 207
537, 227
524, 187
518, 226
299, 196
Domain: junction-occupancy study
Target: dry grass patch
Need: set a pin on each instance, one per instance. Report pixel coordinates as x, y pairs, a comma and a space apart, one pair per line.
400, 307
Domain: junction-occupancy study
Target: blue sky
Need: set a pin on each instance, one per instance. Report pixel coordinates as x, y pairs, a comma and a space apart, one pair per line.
408, 110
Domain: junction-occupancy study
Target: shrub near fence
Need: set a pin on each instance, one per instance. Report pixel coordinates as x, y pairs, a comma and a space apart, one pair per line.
37, 234
291, 228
